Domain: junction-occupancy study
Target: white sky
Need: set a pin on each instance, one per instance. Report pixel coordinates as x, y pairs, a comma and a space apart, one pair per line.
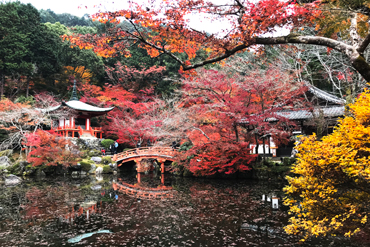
76, 7
81, 7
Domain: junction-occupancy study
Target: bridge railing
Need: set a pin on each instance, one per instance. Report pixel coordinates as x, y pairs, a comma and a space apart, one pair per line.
145, 151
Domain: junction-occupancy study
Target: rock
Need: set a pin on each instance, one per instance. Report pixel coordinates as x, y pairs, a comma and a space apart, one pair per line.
75, 174
113, 166
99, 170
97, 160
92, 169
4, 161
99, 177
96, 187
12, 180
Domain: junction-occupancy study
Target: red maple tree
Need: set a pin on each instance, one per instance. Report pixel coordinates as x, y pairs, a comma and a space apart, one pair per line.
50, 149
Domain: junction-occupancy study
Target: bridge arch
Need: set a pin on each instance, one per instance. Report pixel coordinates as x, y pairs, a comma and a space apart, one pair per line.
161, 154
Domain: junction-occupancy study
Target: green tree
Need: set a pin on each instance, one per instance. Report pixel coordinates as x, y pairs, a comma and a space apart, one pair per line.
17, 23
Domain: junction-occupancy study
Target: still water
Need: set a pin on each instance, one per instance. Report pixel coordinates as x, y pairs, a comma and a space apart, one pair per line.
149, 210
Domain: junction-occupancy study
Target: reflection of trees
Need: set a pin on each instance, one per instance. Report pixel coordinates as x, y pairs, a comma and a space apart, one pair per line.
38, 214
203, 212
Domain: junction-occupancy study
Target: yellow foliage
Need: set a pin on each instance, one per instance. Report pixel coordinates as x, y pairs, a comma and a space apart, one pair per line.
331, 192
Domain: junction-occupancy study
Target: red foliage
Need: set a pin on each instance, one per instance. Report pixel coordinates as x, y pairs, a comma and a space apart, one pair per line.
50, 150
223, 100
133, 79
217, 157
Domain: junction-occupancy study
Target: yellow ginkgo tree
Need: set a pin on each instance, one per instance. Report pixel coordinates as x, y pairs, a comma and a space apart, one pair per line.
330, 192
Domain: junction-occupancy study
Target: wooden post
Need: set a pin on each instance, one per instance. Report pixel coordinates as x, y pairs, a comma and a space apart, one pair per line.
162, 168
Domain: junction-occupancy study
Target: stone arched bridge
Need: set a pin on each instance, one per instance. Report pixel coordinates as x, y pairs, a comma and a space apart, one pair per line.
161, 154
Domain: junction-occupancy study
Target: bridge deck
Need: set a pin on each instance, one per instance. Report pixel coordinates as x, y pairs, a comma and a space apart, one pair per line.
146, 152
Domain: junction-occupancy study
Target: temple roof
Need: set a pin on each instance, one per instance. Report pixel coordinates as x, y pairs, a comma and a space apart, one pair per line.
321, 94
336, 111
77, 105
81, 106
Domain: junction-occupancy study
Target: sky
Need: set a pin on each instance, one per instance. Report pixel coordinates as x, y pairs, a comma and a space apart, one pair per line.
76, 7
81, 7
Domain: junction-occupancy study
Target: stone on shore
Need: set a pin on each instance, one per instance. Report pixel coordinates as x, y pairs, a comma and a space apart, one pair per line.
97, 160
4, 161
12, 180
99, 170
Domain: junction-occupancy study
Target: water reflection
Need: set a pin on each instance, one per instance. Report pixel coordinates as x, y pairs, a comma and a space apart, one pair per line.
146, 210
273, 199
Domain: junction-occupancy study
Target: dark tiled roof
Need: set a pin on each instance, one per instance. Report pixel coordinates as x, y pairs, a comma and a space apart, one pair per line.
325, 96
336, 111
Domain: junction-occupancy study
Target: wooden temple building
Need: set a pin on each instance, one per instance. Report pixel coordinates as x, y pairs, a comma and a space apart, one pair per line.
326, 110
79, 123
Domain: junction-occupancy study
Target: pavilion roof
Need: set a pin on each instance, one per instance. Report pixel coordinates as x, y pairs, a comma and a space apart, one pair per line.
332, 112
321, 94
81, 106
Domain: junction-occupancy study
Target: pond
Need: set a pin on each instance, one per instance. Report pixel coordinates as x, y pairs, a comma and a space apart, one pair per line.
147, 210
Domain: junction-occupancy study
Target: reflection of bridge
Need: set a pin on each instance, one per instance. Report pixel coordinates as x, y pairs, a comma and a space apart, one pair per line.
161, 154
162, 192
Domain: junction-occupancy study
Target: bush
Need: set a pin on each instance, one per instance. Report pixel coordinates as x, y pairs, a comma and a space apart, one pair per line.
287, 161
85, 166
106, 143
26, 100
106, 160
84, 154
7, 152
186, 146
94, 152
15, 169
107, 169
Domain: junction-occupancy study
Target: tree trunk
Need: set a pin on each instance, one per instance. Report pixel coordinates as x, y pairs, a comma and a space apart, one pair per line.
2, 87
27, 87
264, 148
257, 145
236, 132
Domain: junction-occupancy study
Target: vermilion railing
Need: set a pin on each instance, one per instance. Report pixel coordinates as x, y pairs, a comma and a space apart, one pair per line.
166, 152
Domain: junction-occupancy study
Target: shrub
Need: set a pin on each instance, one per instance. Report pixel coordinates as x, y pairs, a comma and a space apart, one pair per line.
7, 152
15, 169
84, 154
107, 169
106, 143
85, 166
106, 160
94, 152
287, 161
27, 100
186, 146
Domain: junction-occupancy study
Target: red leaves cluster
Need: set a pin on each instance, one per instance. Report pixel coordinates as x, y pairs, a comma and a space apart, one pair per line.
133, 79
217, 157
50, 149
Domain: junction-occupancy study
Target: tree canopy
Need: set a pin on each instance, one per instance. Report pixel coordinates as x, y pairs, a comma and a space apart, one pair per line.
164, 28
